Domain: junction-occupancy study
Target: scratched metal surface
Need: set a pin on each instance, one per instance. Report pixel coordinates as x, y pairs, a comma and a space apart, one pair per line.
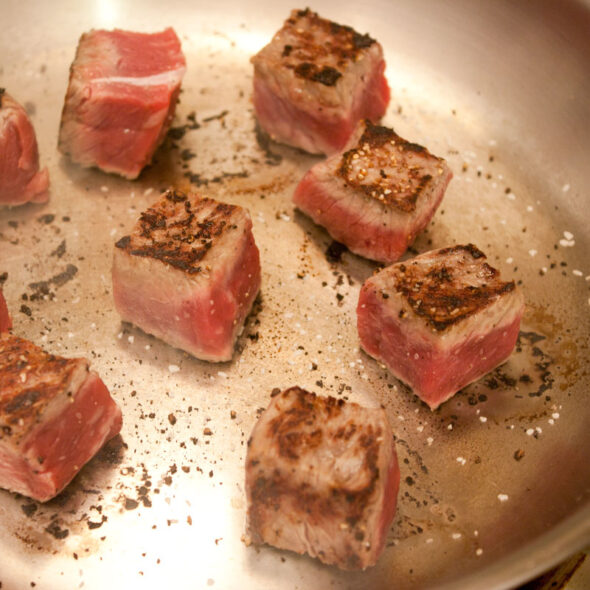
495, 483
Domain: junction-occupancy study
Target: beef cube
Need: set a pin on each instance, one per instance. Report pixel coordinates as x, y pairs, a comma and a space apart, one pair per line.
322, 478
55, 414
121, 98
189, 274
439, 321
21, 181
377, 195
5, 319
315, 80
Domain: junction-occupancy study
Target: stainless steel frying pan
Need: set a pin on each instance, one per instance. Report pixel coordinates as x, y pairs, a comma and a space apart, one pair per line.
495, 484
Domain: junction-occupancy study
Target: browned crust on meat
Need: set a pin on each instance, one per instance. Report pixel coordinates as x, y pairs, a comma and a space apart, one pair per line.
176, 231
380, 148
30, 379
314, 38
441, 296
298, 431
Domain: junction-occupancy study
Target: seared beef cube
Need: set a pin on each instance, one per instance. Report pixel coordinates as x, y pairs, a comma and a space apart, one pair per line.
21, 181
377, 195
315, 80
5, 319
55, 414
189, 274
322, 478
440, 321
121, 98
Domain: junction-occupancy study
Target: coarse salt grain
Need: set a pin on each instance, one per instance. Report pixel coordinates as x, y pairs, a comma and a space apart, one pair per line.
429, 540
104, 189
173, 368
503, 497
568, 235
450, 427
530, 431
483, 419
479, 551
461, 460
148, 191
555, 415
509, 260
130, 339
420, 428
565, 188
578, 273
429, 440
532, 252
456, 536
567, 243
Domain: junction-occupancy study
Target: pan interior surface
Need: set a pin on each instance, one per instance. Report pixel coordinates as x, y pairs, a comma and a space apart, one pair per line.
495, 483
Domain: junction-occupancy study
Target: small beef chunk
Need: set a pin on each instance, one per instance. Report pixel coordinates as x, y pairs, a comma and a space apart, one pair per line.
322, 478
21, 181
55, 414
315, 80
189, 274
439, 321
121, 99
377, 195
5, 319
